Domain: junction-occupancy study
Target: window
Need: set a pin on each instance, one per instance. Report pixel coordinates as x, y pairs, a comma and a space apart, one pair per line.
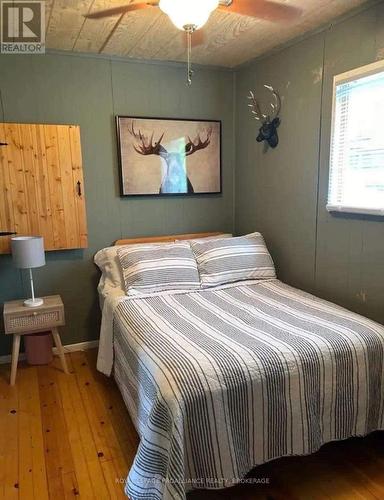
356, 179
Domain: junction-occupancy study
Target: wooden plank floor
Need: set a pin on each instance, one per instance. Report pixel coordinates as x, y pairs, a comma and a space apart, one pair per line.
71, 436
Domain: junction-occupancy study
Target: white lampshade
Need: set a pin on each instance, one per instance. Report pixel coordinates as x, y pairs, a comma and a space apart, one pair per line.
28, 251
188, 12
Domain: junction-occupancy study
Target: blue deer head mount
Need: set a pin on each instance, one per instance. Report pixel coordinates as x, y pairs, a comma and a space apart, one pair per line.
269, 122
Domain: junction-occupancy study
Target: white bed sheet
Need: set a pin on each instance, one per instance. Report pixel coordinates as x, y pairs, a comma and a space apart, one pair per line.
110, 297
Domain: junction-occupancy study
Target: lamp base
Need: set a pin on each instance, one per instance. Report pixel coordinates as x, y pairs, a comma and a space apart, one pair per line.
33, 302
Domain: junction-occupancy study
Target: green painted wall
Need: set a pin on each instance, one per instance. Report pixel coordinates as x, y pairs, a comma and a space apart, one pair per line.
89, 91
283, 192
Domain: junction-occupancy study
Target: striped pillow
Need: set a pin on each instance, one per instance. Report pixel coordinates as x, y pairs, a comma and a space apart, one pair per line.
233, 259
154, 268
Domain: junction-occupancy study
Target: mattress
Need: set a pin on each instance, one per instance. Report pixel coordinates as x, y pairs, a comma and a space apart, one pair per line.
219, 381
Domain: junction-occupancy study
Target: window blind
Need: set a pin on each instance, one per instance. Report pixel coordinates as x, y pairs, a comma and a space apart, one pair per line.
356, 182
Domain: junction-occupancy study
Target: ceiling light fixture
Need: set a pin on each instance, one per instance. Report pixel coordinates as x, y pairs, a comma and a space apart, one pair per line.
188, 12
189, 16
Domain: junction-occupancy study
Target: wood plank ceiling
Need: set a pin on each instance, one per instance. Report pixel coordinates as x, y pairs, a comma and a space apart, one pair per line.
229, 39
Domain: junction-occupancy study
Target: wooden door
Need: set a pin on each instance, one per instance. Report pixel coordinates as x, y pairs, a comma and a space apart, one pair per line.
41, 185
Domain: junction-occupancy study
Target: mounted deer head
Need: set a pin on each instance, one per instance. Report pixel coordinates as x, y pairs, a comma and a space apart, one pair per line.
175, 178
269, 123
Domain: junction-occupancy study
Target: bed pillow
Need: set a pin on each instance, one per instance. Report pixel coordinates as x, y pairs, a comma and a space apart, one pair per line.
108, 262
109, 265
155, 268
233, 259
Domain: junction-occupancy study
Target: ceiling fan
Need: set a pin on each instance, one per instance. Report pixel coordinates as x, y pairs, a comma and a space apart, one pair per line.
191, 15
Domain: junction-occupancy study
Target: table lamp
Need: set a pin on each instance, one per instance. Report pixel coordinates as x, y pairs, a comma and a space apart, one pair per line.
28, 253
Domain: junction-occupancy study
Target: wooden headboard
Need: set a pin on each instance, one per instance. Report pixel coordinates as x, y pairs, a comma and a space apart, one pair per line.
165, 239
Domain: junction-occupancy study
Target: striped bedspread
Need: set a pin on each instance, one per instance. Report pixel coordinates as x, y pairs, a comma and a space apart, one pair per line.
220, 381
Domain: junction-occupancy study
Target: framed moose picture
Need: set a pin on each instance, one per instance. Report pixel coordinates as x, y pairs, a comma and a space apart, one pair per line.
169, 157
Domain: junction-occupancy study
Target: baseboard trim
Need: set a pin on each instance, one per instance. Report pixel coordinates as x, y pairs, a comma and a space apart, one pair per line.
81, 346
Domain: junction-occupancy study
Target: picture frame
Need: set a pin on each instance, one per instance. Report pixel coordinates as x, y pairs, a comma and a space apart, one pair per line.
166, 157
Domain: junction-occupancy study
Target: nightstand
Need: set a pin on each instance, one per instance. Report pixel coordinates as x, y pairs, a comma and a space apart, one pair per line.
20, 320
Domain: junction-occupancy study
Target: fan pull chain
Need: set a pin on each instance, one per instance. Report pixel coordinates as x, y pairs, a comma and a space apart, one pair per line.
189, 52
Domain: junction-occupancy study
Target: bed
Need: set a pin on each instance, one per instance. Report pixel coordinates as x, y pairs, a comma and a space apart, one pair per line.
218, 381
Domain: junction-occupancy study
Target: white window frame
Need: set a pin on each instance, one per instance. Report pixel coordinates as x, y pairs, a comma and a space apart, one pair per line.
363, 71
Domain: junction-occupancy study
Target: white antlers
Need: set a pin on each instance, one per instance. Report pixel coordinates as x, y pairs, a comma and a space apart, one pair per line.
255, 107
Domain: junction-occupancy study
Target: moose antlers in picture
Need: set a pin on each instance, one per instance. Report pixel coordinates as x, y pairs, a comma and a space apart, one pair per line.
269, 123
145, 146
193, 146
174, 176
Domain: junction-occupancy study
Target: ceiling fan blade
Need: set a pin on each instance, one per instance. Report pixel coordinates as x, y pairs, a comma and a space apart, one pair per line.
123, 9
263, 9
198, 38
